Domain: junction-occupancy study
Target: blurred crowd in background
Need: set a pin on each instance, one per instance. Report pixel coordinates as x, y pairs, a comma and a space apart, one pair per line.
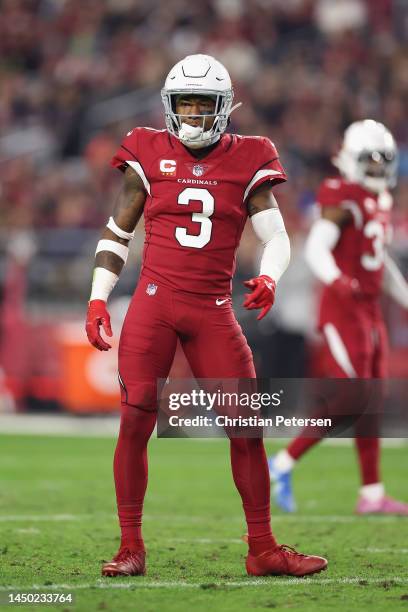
75, 76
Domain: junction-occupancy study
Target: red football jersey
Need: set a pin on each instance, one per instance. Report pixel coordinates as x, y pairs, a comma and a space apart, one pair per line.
195, 210
359, 252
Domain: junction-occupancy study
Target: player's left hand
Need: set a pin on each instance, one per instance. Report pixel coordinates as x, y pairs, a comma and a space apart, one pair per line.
262, 296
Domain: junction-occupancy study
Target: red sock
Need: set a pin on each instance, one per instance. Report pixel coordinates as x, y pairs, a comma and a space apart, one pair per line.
309, 437
251, 477
130, 471
368, 450
300, 445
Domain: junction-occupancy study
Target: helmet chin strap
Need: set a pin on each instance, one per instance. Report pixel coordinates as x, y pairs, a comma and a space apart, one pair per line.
195, 137
375, 184
190, 132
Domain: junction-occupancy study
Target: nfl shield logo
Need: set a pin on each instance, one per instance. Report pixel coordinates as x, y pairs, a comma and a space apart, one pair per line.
198, 170
151, 289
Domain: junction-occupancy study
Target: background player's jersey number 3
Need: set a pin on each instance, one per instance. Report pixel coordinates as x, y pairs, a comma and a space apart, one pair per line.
375, 232
203, 218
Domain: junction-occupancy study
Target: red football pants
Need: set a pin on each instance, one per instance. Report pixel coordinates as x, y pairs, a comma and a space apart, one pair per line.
356, 346
209, 334
215, 347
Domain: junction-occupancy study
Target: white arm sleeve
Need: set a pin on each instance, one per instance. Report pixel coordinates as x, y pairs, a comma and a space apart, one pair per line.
270, 229
394, 284
322, 239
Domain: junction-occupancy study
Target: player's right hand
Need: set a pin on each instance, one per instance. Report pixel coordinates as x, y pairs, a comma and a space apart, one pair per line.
96, 316
347, 287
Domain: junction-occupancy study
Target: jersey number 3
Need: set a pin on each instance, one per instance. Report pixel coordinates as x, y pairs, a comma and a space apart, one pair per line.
196, 241
374, 231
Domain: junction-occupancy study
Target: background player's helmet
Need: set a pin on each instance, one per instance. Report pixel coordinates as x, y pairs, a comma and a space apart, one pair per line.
368, 156
201, 75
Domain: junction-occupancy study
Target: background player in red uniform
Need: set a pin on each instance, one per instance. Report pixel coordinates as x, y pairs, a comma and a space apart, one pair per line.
346, 250
196, 187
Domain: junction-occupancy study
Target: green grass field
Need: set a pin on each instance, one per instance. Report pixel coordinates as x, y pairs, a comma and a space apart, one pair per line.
57, 523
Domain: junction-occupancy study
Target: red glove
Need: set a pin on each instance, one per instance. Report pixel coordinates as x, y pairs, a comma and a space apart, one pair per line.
96, 316
346, 287
262, 296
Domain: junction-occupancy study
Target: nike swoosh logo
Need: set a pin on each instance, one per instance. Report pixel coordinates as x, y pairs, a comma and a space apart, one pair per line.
221, 302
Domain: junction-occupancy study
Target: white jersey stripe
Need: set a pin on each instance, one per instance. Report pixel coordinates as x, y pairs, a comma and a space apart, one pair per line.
259, 175
139, 170
338, 350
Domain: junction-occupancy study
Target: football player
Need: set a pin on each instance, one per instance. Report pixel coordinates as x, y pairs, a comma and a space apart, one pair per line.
195, 185
347, 251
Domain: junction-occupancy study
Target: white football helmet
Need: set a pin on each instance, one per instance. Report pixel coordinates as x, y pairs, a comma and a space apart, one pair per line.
201, 75
368, 156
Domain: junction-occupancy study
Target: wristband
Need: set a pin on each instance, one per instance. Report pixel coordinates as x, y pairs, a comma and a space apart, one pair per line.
102, 284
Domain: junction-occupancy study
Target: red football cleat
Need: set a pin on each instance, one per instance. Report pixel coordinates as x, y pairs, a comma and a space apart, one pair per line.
126, 563
284, 561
